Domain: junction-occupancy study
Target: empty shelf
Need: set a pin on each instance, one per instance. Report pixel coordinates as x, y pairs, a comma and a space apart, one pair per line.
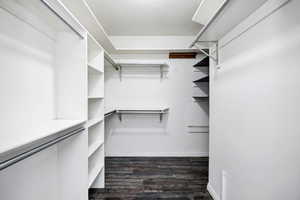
150, 64
203, 63
95, 97
202, 99
141, 110
202, 80
94, 174
94, 70
159, 111
94, 147
92, 122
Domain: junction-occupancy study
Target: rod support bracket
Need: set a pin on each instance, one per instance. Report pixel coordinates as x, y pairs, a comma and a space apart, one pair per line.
214, 58
120, 72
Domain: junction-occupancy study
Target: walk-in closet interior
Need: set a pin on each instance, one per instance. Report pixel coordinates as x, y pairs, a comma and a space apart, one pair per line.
149, 99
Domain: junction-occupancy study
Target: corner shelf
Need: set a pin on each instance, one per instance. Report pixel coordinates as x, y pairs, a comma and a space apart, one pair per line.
203, 63
202, 80
201, 99
94, 147
94, 174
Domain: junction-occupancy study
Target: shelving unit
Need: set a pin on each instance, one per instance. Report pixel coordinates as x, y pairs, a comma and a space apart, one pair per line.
43, 104
200, 81
95, 123
160, 65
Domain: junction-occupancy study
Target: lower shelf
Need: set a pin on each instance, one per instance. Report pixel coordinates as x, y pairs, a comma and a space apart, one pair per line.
94, 147
201, 99
94, 174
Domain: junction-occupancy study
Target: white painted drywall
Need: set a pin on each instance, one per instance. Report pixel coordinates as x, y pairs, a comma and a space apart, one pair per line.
151, 42
255, 112
144, 135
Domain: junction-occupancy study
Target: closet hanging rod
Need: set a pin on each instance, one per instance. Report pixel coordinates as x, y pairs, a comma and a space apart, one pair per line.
61, 18
144, 111
109, 113
22, 156
208, 24
110, 60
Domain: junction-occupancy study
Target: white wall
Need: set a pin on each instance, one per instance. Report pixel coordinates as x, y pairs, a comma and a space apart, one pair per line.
255, 111
144, 135
151, 42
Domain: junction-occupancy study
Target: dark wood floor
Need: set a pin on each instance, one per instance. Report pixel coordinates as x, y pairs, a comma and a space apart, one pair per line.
154, 178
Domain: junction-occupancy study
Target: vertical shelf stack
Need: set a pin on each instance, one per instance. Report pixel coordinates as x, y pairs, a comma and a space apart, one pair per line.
43, 101
95, 124
201, 80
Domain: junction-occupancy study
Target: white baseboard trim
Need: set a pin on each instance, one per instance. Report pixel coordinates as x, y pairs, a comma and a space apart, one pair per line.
212, 192
156, 154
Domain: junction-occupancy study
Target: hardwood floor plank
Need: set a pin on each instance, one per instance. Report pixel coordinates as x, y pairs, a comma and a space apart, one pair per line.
154, 178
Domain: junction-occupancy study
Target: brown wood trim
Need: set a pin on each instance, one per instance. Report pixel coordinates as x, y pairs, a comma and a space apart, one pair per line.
182, 55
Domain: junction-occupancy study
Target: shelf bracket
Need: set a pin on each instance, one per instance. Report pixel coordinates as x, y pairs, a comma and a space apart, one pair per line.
161, 72
120, 116
120, 72
214, 58
160, 117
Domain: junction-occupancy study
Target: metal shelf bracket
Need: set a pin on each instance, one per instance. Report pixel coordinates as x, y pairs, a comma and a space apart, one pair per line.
216, 51
159, 112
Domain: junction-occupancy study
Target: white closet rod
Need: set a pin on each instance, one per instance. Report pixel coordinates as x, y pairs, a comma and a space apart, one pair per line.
110, 60
24, 155
61, 18
160, 112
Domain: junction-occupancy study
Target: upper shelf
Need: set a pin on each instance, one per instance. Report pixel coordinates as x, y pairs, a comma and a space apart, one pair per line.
233, 13
141, 63
160, 65
202, 80
203, 63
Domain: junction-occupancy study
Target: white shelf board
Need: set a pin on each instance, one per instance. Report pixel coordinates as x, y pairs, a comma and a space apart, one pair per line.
94, 174
142, 63
93, 148
141, 108
233, 14
109, 110
95, 97
92, 122
94, 70
18, 136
